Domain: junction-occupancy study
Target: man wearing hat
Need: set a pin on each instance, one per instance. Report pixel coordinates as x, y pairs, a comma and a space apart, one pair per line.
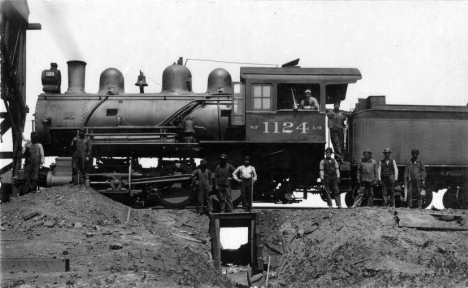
330, 173
203, 180
367, 178
34, 154
415, 177
222, 176
336, 124
310, 102
387, 174
247, 177
81, 146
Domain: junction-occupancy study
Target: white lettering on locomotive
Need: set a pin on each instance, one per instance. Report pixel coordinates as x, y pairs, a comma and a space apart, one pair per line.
287, 127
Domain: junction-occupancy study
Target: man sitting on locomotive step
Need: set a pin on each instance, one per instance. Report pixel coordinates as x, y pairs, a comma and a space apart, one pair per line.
222, 176
203, 181
330, 175
367, 178
310, 102
247, 178
415, 176
387, 175
336, 124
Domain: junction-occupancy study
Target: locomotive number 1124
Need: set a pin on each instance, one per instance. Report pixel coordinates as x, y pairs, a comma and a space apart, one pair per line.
287, 127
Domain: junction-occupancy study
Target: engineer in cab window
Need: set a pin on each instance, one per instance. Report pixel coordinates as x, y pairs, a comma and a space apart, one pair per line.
310, 103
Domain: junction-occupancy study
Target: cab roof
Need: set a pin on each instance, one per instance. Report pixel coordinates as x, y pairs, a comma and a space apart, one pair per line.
348, 75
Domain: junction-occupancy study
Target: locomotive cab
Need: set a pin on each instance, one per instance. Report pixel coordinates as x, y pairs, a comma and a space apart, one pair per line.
273, 97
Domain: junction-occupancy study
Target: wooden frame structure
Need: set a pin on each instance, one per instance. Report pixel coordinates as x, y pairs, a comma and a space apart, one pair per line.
249, 220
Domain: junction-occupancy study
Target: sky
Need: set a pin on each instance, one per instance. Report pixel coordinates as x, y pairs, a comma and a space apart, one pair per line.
414, 52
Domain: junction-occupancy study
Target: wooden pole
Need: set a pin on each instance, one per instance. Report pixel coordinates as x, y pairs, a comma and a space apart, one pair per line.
268, 272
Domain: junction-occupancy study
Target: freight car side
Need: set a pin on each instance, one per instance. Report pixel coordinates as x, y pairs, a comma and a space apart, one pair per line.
440, 133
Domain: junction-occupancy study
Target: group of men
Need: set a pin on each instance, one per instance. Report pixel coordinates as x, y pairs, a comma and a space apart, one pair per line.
224, 172
371, 173
33, 153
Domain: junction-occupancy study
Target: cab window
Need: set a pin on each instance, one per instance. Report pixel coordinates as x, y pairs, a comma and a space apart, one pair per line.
261, 97
290, 95
336, 92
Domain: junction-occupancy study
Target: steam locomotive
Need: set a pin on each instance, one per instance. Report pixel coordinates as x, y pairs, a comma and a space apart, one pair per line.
257, 116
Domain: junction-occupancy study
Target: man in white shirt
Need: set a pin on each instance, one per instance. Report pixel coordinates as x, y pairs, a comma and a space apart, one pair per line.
246, 176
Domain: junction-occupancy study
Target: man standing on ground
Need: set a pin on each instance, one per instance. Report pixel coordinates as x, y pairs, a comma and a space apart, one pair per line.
330, 175
367, 178
336, 124
415, 177
203, 181
222, 176
34, 154
247, 178
81, 153
388, 174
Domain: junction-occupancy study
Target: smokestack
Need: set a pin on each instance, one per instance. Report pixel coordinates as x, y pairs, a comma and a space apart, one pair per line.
76, 77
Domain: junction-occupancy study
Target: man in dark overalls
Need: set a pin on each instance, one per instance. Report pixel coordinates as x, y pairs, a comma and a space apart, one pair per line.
223, 173
336, 124
330, 173
82, 151
415, 177
203, 181
34, 154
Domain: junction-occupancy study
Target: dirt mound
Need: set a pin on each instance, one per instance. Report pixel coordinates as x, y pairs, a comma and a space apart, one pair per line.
171, 248
153, 249
362, 248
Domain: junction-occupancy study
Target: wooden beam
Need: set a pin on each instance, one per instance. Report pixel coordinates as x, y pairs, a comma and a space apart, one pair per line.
34, 265
433, 221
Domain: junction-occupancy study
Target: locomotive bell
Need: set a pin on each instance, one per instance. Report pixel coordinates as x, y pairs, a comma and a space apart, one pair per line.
111, 82
177, 78
141, 82
76, 76
219, 81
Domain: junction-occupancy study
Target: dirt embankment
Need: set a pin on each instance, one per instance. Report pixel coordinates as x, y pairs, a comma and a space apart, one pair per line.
164, 248
150, 250
363, 248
